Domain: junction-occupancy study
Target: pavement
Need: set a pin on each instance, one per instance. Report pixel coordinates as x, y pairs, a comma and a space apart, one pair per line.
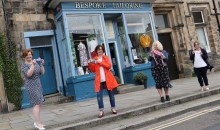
84, 114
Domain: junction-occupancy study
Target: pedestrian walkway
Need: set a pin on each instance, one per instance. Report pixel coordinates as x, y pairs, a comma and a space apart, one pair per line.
73, 112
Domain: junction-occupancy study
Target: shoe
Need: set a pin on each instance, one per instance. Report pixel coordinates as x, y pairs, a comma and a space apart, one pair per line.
39, 128
211, 67
162, 99
206, 88
101, 114
167, 98
114, 111
202, 89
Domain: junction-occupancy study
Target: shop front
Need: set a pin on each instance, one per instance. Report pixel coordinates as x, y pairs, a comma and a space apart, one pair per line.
126, 30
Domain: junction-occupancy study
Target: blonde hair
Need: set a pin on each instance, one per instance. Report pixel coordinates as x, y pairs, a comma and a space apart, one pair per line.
158, 44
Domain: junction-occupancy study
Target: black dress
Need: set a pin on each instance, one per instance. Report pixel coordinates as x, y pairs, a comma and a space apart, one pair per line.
160, 73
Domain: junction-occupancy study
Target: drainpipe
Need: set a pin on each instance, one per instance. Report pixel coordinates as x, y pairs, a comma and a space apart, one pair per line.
216, 15
54, 30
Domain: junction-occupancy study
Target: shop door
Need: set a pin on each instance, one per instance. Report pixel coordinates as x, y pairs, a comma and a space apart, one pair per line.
48, 80
114, 59
165, 39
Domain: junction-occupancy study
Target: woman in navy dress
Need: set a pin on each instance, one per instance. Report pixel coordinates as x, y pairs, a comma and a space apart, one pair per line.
32, 71
159, 69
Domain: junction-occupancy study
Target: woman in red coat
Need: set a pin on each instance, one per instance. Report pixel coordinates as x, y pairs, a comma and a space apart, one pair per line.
101, 65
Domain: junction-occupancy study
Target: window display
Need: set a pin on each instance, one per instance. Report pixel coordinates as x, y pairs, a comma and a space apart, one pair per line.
85, 34
140, 34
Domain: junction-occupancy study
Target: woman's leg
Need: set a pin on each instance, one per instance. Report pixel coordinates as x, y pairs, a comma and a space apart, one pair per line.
111, 98
166, 91
161, 95
198, 72
167, 94
36, 111
100, 98
160, 92
204, 76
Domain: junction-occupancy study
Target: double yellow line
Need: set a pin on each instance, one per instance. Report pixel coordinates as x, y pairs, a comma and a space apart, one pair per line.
185, 118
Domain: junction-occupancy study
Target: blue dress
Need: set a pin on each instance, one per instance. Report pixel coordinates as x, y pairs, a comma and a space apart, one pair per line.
33, 85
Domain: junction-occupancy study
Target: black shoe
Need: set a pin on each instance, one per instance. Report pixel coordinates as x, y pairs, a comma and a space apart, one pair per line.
210, 68
167, 98
162, 99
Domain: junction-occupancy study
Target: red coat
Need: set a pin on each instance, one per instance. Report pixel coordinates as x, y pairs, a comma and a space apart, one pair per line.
111, 83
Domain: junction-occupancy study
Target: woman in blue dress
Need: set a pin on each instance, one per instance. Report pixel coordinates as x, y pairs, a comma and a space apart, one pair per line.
32, 71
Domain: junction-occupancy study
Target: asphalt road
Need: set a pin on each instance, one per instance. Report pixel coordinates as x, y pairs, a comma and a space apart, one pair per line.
205, 119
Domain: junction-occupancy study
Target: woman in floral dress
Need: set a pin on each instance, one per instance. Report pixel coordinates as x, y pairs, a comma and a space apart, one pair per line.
159, 69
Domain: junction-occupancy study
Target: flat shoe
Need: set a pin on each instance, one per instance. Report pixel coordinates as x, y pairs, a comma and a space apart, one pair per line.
101, 115
114, 112
39, 128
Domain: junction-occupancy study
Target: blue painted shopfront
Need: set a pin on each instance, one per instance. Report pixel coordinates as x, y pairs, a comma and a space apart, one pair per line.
117, 26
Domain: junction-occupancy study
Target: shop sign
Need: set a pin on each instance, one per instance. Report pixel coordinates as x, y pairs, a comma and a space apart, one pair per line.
102, 5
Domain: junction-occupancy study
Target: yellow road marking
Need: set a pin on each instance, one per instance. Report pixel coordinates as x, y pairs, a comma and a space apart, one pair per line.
185, 118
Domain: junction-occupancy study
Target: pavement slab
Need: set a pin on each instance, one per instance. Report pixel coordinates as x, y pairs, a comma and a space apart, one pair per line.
57, 115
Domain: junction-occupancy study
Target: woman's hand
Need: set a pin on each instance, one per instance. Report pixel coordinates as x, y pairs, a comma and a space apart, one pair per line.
98, 61
42, 61
34, 62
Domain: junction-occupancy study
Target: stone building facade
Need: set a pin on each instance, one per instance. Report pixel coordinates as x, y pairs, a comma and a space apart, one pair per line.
179, 23
184, 28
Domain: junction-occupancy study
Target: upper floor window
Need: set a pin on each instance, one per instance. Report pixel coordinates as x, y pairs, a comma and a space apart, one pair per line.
201, 30
198, 17
162, 21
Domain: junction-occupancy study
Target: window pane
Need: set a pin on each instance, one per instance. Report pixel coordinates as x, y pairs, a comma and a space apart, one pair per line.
162, 21
85, 33
198, 17
202, 38
123, 41
40, 41
141, 36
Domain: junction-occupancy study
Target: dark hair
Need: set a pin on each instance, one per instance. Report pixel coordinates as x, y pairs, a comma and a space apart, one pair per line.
197, 43
25, 52
98, 46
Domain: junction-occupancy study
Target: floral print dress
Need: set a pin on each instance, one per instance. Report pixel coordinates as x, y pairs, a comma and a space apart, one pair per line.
160, 74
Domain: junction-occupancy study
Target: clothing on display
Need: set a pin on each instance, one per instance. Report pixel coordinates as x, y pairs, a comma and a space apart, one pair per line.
83, 54
92, 45
145, 40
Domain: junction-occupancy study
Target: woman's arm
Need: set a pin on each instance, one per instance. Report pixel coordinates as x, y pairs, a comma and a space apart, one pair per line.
31, 70
42, 70
105, 63
92, 67
204, 54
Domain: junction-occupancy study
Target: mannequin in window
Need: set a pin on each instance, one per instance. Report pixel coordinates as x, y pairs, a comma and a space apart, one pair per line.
91, 45
83, 56
145, 39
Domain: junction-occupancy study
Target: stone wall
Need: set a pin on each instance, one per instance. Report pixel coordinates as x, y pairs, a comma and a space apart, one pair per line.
180, 13
24, 16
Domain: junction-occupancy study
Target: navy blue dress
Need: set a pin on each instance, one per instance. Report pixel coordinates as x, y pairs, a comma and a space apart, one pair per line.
33, 84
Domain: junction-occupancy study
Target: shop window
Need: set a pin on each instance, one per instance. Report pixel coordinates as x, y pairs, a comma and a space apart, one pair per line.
201, 30
162, 21
141, 36
85, 33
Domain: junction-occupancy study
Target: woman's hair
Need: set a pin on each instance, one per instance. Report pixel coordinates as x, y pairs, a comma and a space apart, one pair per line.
158, 44
98, 46
196, 42
25, 52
